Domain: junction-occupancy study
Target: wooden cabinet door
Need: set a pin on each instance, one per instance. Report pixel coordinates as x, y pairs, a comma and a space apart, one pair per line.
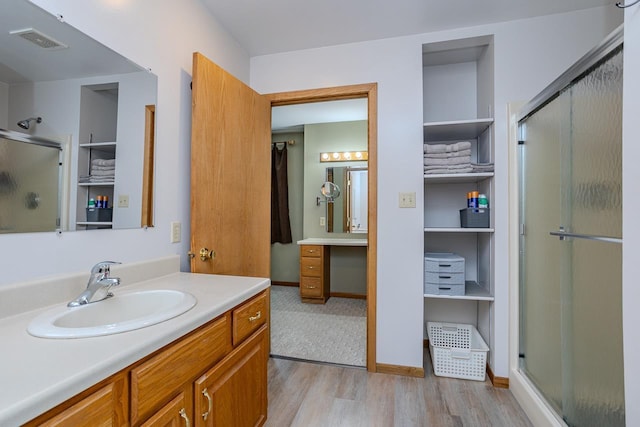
234, 392
103, 408
174, 414
230, 174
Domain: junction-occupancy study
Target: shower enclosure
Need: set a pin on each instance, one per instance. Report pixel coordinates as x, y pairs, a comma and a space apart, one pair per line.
30, 179
570, 163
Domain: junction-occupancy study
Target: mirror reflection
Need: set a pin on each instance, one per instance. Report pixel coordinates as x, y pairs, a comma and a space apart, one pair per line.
348, 214
60, 86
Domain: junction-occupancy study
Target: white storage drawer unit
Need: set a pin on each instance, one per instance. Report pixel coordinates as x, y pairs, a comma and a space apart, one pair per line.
444, 274
443, 263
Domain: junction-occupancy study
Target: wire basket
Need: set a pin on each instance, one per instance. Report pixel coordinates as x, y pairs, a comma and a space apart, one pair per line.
457, 351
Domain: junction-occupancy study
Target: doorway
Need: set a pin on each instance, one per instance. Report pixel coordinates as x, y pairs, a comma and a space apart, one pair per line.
368, 92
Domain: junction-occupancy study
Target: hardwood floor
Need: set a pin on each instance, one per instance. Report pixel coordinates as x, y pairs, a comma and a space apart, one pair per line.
308, 394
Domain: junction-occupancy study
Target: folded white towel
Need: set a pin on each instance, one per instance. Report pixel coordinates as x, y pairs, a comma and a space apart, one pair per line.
100, 179
448, 155
103, 162
448, 161
452, 167
447, 170
102, 168
482, 167
110, 173
446, 148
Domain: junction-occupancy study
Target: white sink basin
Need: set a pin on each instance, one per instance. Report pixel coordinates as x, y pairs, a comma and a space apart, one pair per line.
120, 313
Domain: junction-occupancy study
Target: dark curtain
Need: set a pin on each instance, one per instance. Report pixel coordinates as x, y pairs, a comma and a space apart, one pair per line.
280, 225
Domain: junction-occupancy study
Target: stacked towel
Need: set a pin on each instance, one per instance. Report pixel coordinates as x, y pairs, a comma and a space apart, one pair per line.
102, 170
451, 158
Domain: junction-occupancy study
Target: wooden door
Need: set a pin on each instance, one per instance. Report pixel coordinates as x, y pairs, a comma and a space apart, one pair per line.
242, 373
173, 414
230, 174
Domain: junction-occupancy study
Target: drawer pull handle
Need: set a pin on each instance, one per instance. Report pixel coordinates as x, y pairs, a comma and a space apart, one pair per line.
445, 277
310, 267
206, 394
444, 265
183, 414
311, 287
256, 317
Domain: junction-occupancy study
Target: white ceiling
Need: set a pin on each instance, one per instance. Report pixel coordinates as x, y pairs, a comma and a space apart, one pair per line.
269, 26
21, 60
292, 118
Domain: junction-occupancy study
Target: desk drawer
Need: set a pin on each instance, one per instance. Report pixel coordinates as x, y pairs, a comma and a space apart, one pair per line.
311, 251
311, 267
310, 287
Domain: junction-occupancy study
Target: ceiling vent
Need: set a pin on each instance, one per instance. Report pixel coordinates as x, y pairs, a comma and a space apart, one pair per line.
40, 39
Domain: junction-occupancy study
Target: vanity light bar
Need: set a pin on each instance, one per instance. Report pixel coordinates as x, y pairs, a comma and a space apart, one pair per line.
344, 156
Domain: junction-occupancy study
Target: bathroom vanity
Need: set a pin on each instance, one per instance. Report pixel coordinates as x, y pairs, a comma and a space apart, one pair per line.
199, 366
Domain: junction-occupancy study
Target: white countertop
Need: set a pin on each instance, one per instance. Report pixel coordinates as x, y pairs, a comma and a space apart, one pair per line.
330, 241
37, 374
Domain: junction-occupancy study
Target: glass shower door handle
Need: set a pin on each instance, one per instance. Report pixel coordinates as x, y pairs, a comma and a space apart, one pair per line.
562, 235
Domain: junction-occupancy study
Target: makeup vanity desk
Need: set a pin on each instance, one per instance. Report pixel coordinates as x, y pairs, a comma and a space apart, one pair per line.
315, 266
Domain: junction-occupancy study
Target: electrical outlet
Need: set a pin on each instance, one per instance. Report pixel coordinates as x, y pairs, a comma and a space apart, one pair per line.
123, 201
322, 221
176, 231
407, 200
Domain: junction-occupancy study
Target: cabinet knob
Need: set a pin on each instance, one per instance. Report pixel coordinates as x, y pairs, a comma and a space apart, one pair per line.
206, 394
183, 414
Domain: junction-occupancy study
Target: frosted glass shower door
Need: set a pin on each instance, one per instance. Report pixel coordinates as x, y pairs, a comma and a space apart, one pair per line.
29, 187
571, 249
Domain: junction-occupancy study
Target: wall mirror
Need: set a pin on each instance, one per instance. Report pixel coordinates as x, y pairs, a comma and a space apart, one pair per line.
322, 127
348, 213
59, 86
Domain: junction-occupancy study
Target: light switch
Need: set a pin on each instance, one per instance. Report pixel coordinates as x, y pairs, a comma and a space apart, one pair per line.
123, 201
407, 200
322, 221
176, 231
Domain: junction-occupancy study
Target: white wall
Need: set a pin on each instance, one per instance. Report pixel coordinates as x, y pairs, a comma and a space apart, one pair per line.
161, 36
630, 229
528, 54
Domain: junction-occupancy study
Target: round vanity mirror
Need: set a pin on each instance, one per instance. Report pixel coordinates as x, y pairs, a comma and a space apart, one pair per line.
330, 191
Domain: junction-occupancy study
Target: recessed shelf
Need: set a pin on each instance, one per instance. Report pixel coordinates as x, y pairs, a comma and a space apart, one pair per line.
93, 223
457, 230
448, 178
455, 130
96, 184
97, 144
473, 292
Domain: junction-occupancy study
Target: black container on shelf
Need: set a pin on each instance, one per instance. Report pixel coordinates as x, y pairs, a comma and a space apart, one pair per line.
99, 214
474, 218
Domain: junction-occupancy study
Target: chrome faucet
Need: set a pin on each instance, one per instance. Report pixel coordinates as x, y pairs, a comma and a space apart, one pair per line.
98, 286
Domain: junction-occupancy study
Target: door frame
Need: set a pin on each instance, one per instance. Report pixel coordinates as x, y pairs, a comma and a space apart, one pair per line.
370, 92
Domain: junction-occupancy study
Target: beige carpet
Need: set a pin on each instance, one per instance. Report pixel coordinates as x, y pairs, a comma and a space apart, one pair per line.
335, 332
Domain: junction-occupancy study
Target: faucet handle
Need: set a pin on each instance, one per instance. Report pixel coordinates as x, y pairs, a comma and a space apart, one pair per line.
103, 267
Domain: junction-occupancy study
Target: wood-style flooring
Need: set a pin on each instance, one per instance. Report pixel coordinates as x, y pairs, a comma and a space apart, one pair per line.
307, 394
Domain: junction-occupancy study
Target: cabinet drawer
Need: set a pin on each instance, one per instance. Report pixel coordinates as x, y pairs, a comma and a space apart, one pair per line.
311, 251
249, 317
155, 381
435, 266
441, 289
310, 287
444, 278
311, 267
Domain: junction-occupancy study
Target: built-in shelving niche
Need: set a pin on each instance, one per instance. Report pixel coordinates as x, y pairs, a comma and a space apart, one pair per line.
458, 105
97, 140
